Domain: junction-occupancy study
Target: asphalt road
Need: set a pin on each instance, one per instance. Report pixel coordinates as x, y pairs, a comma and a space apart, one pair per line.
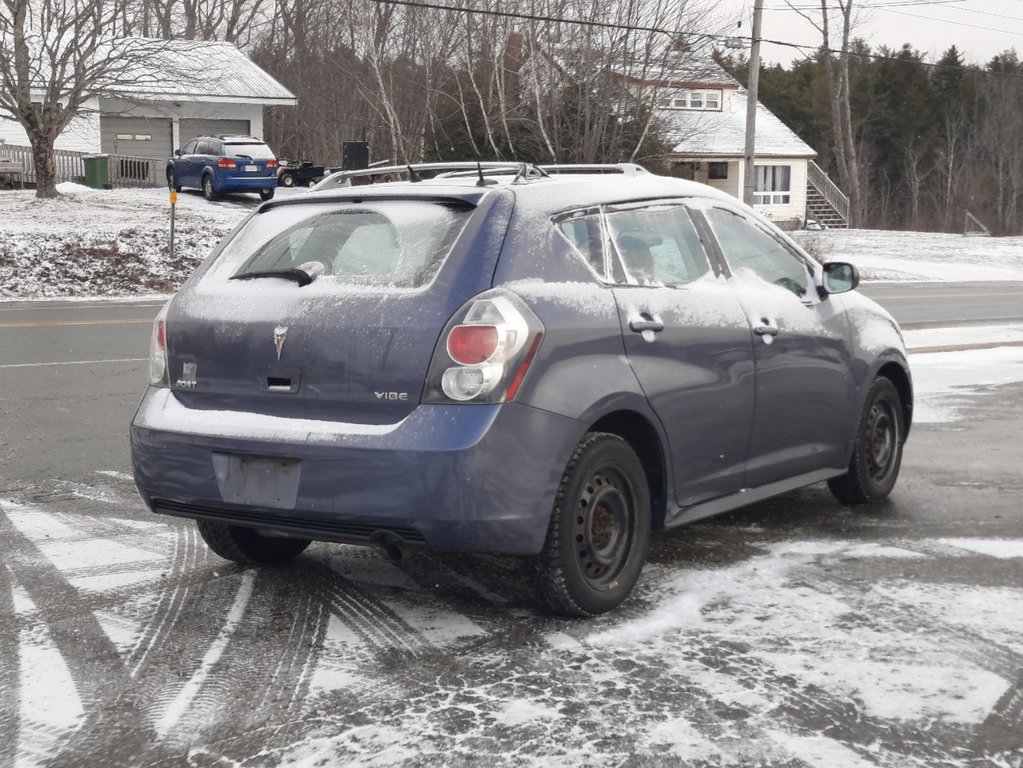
928, 305
797, 633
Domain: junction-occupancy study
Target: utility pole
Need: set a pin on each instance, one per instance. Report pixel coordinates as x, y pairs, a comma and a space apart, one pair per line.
752, 83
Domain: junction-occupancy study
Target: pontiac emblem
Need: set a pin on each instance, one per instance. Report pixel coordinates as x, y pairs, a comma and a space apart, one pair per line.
280, 333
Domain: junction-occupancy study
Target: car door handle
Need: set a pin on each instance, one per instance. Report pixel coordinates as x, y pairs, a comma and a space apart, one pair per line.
645, 323
765, 330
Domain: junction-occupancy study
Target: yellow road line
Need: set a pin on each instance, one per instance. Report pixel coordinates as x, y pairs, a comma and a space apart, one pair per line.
76, 362
62, 323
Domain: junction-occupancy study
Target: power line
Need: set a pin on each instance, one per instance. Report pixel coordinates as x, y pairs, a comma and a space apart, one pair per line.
956, 23
807, 50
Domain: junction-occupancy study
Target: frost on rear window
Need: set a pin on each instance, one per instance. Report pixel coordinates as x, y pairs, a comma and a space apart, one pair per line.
248, 149
393, 243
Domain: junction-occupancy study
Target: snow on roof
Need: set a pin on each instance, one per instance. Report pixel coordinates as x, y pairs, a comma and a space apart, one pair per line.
190, 69
723, 134
677, 71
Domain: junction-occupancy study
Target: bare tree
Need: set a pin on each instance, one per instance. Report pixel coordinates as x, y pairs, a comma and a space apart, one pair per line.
1000, 133
234, 21
58, 58
836, 69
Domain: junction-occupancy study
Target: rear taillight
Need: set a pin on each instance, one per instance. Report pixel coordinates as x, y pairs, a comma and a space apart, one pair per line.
485, 352
271, 163
472, 344
158, 350
226, 162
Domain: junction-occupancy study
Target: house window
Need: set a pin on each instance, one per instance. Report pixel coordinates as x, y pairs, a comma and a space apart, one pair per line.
717, 170
691, 99
773, 185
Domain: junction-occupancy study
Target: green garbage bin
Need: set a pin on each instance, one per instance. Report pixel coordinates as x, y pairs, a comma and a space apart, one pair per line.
97, 172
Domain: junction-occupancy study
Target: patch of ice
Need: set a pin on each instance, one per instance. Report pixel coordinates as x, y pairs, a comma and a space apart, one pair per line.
1004, 549
522, 711
897, 690
944, 381
819, 751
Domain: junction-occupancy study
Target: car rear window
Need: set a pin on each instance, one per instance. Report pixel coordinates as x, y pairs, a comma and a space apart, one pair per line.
256, 151
399, 243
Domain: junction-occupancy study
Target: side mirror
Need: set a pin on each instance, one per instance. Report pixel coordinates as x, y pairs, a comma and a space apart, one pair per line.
840, 277
177, 153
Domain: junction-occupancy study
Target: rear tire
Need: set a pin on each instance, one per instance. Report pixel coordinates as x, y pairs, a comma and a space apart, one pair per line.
248, 546
877, 455
287, 180
207, 187
266, 194
599, 530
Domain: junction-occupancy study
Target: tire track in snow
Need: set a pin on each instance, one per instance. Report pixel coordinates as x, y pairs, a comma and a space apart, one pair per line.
182, 701
171, 599
262, 679
1002, 730
99, 676
10, 714
376, 623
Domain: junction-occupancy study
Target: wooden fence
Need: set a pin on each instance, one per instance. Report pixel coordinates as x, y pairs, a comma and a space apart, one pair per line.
122, 170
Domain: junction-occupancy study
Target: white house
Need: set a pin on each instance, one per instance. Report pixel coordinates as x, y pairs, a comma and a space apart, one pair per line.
703, 110
184, 89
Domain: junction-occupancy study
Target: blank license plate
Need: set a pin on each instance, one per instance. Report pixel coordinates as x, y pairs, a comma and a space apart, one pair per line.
269, 483
251, 168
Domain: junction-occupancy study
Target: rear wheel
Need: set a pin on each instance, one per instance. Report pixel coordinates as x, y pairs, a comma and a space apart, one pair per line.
266, 194
877, 455
287, 180
599, 530
207, 187
247, 545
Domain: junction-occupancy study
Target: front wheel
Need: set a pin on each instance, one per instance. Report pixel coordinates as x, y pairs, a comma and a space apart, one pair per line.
286, 180
599, 529
877, 454
172, 181
248, 546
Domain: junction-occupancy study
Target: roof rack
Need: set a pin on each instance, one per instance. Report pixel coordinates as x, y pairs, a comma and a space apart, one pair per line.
520, 171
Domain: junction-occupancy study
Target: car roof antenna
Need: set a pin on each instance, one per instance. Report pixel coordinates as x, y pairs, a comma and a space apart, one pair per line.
482, 181
412, 175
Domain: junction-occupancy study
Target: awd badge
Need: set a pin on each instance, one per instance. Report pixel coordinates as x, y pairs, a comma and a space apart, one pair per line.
188, 378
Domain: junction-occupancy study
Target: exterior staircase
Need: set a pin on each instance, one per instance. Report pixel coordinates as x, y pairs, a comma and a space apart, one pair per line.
826, 204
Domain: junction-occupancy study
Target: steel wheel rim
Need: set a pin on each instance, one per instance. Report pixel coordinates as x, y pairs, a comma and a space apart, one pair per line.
882, 440
604, 523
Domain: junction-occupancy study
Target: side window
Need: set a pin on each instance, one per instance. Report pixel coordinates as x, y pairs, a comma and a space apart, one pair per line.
658, 245
189, 148
750, 250
583, 232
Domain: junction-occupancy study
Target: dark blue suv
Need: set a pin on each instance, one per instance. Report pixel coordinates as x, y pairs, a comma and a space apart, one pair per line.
538, 363
218, 164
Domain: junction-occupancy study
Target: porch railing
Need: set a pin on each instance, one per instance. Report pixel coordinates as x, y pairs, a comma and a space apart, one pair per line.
122, 170
835, 197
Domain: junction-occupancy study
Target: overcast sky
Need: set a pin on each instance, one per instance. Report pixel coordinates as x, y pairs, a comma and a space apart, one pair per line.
980, 29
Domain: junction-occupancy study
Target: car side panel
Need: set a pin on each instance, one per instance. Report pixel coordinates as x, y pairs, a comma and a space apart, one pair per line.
697, 373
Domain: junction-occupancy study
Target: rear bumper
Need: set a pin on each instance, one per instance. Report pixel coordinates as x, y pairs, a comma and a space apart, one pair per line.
245, 183
461, 477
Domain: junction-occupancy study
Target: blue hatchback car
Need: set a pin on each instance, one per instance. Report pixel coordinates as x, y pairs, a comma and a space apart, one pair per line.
219, 164
539, 363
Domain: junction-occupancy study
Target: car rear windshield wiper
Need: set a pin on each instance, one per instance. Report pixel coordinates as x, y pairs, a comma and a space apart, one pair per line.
302, 275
